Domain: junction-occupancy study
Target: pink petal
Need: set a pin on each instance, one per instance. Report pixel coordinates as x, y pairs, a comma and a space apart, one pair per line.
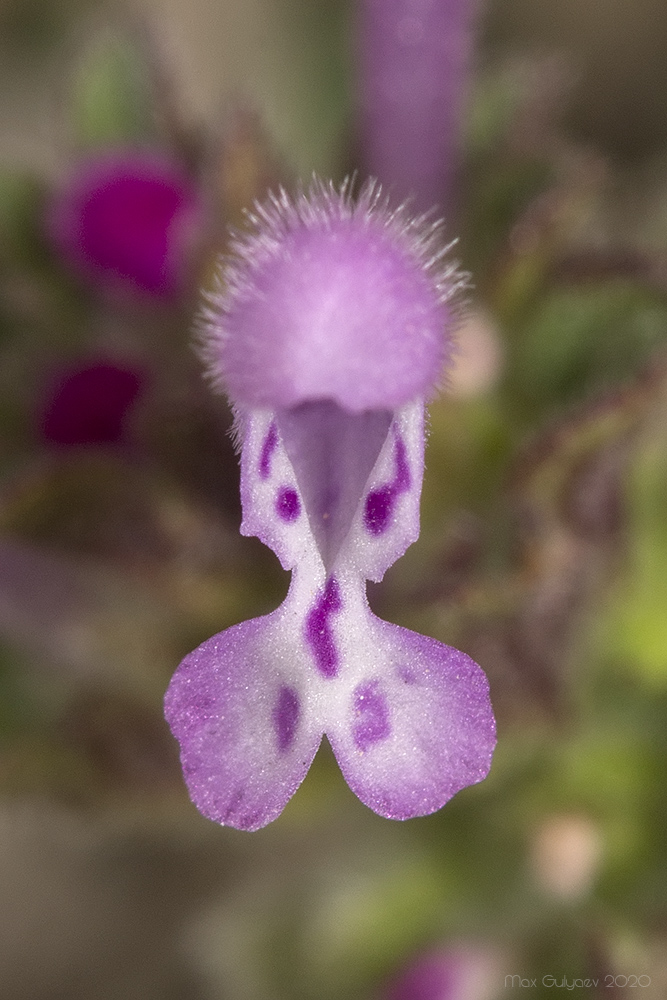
418, 725
239, 712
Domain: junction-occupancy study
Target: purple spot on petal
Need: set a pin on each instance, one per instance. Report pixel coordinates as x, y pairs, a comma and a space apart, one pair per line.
318, 631
402, 476
203, 704
379, 505
380, 502
286, 717
371, 715
407, 676
288, 506
231, 810
268, 448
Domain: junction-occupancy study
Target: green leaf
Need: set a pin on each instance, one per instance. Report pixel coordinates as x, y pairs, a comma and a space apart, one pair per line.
581, 339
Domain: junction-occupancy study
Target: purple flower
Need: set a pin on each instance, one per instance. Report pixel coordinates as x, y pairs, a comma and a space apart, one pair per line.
89, 404
126, 221
329, 331
413, 57
459, 972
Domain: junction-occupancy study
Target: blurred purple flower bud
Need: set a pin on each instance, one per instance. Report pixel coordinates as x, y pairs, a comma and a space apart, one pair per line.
413, 59
89, 404
460, 972
331, 328
126, 220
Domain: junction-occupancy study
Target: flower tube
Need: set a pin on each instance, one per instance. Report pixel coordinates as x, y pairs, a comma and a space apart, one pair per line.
412, 60
329, 331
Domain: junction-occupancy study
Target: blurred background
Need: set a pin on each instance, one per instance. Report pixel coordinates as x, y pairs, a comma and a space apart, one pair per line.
131, 136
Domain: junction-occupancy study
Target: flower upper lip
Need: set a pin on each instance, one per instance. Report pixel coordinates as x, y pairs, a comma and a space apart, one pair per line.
326, 298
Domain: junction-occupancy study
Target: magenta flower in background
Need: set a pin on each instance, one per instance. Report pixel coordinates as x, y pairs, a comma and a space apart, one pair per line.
89, 403
331, 327
127, 220
458, 972
413, 58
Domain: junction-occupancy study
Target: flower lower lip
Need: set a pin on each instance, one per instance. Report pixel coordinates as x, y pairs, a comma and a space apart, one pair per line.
408, 718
